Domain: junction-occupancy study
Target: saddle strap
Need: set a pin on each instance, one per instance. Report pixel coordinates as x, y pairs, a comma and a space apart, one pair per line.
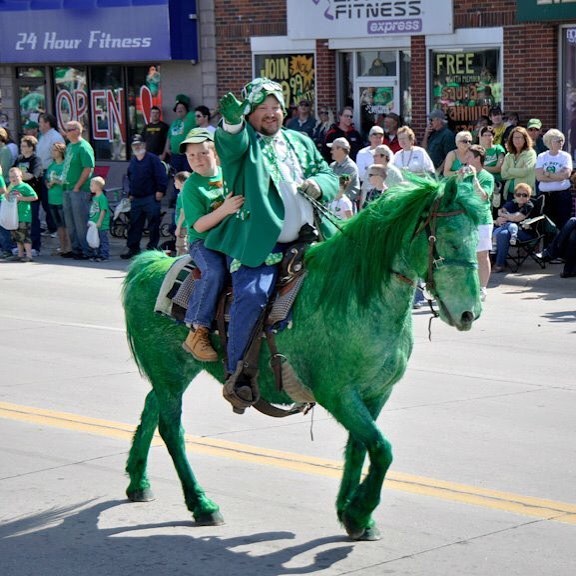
275, 360
270, 410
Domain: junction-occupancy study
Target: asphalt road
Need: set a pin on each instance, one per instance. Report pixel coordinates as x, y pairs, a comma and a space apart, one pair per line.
483, 427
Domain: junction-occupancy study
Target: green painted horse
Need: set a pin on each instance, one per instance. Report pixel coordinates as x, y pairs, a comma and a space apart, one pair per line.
350, 341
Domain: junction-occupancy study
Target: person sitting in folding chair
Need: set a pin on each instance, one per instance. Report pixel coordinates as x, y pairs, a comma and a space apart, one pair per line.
507, 231
563, 246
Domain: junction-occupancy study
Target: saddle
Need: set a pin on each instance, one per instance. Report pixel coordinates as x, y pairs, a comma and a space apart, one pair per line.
172, 301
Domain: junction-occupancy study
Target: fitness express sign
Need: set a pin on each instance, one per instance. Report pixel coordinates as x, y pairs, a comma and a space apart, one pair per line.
360, 18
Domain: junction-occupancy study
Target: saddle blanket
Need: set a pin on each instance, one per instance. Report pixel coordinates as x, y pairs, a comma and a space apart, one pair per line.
178, 284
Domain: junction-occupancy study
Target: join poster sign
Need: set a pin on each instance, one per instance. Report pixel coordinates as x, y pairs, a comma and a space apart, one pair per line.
121, 34
313, 19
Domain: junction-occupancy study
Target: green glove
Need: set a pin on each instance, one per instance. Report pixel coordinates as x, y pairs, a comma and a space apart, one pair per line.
232, 109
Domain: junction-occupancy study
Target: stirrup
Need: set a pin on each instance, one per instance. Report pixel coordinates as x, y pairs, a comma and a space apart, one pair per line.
241, 390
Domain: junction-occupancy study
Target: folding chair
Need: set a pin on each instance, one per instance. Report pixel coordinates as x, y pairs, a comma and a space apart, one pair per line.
541, 227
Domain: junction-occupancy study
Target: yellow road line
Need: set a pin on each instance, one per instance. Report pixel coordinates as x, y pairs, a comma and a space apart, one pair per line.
508, 502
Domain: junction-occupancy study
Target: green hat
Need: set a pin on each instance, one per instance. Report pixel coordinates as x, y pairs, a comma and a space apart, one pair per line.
30, 124
182, 99
255, 92
196, 136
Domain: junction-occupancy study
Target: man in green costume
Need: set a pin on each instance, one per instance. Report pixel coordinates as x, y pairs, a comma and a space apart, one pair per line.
268, 165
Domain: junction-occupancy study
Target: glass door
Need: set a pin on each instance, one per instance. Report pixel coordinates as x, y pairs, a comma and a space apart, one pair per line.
375, 99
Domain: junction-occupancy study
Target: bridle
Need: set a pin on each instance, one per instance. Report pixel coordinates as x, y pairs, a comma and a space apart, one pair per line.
435, 260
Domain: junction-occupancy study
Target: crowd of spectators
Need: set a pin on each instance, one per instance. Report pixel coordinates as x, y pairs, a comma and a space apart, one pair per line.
519, 159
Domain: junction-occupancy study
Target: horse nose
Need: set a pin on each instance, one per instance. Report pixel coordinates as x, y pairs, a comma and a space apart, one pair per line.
467, 317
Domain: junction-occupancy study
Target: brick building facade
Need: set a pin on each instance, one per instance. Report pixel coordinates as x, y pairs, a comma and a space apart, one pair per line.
528, 54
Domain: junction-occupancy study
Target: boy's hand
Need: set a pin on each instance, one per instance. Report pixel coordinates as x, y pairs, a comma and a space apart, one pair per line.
232, 109
232, 204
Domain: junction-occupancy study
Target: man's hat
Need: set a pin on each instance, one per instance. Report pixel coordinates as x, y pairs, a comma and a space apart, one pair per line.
196, 136
495, 110
340, 143
137, 139
534, 123
376, 130
437, 113
182, 99
255, 92
30, 125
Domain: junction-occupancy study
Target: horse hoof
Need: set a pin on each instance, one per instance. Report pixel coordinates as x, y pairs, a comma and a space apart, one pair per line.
370, 535
145, 495
209, 519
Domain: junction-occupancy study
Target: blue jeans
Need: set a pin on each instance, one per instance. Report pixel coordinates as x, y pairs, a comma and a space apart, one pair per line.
142, 209
6, 242
204, 297
76, 209
103, 251
252, 288
502, 235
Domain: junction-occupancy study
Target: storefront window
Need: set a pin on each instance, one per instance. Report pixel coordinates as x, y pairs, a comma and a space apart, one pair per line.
465, 84
108, 112
295, 72
376, 63
31, 86
71, 98
144, 91
568, 108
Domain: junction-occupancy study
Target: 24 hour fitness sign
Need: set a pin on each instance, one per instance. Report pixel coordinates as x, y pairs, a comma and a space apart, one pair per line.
120, 34
360, 18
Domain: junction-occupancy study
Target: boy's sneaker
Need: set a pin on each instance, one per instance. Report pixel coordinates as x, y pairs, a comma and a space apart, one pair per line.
513, 240
26, 259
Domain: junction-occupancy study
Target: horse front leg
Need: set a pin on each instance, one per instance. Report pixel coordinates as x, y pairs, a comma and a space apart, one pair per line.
357, 500
205, 511
139, 488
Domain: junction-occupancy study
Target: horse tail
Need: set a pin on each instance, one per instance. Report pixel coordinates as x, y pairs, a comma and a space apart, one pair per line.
139, 292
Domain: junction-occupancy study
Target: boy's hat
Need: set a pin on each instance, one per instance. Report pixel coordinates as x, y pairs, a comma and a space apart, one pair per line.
376, 130
30, 125
182, 99
495, 110
340, 143
534, 123
137, 139
196, 136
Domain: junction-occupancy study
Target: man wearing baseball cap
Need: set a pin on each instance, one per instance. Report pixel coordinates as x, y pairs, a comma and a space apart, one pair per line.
271, 167
438, 139
148, 180
534, 128
365, 156
343, 165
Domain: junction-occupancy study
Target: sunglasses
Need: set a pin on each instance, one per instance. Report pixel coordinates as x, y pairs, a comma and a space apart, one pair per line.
521, 195
347, 116
304, 104
464, 141
323, 112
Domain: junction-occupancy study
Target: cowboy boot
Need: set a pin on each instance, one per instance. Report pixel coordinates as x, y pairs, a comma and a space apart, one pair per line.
198, 344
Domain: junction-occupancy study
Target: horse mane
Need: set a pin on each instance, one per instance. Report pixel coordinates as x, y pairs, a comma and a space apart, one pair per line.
355, 263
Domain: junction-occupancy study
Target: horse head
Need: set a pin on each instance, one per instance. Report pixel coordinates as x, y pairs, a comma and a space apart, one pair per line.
448, 228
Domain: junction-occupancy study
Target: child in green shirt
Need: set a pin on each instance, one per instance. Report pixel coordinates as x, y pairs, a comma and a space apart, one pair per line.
100, 215
23, 194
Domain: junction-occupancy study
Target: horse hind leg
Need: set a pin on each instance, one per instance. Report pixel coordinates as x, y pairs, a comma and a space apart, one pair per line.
205, 511
357, 500
139, 488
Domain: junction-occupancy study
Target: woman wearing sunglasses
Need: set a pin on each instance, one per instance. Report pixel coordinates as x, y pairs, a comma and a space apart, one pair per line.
455, 159
507, 231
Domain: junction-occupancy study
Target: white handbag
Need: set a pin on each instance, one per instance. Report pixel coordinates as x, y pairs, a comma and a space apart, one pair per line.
92, 236
9, 214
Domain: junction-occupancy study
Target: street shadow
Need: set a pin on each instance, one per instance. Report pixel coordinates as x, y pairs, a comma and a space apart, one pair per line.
68, 540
